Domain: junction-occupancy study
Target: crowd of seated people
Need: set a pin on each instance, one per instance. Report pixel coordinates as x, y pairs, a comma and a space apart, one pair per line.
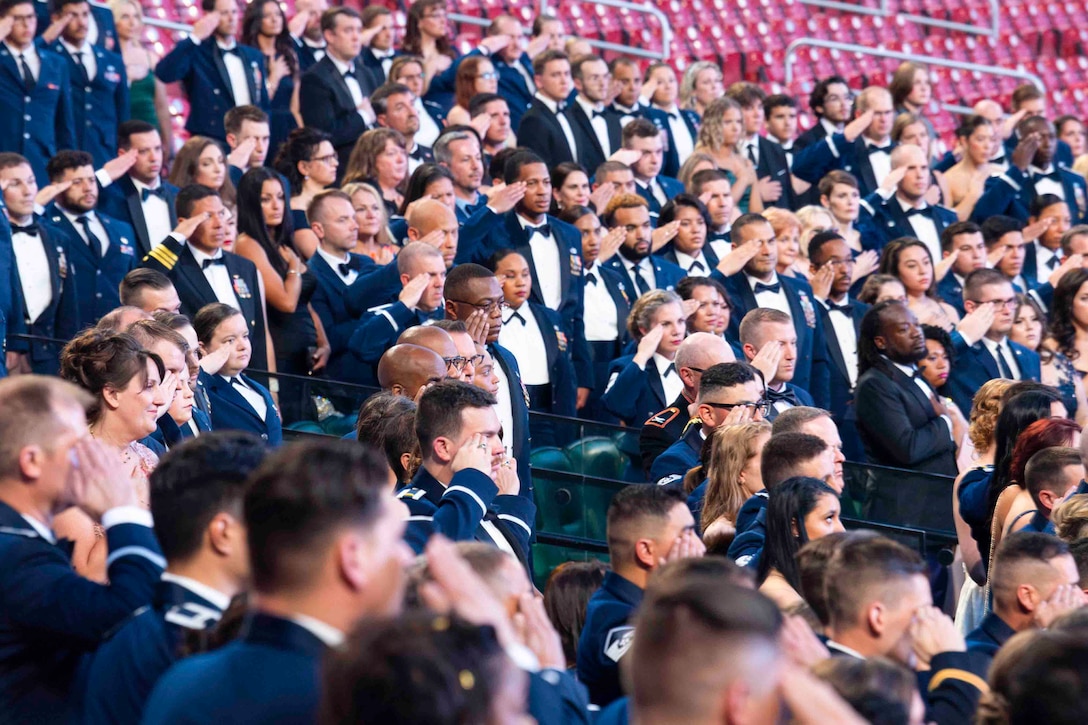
497, 241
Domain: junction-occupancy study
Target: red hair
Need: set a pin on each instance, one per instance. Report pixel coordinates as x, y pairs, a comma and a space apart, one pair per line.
1045, 433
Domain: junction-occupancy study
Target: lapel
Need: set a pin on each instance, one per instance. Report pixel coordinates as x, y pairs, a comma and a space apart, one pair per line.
249, 307
985, 359
865, 169
520, 241
565, 252
136, 213
336, 82
7, 61
517, 391
547, 335
229, 396
550, 118
692, 122
52, 256
833, 345
252, 69
658, 389
78, 247
747, 296
578, 115
909, 385
326, 274
188, 269
217, 60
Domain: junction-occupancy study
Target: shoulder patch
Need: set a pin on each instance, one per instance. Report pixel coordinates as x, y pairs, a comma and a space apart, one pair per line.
413, 493
618, 641
671, 478
662, 419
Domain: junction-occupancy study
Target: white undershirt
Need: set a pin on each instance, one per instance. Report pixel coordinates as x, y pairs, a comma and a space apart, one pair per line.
546, 260
236, 71
218, 277
602, 324
156, 214
773, 300
34, 274
526, 341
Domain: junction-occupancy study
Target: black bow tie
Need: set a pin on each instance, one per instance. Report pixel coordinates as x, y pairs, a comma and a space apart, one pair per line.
31, 229
1053, 262
845, 308
874, 149
515, 314
350, 72
417, 153
232, 51
209, 262
544, 230
147, 193
670, 370
560, 106
924, 211
355, 263
1055, 175
785, 395
596, 114
697, 265
998, 160
591, 278
776, 287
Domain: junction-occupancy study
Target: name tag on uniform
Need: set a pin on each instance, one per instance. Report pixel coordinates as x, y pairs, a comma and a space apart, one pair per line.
111, 75
241, 288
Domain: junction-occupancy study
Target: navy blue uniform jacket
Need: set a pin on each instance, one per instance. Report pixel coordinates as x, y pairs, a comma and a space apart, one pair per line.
814, 161
889, 219
1011, 194
203, 75
606, 637
230, 411
990, 636
329, 301
974, 365
673, 162
99, 277
666, 274
272, 674
634, 395
670, 186
39, 123
683, 455
100, 104
50, 616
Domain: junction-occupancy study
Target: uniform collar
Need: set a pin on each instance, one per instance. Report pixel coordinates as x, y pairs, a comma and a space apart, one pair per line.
209, 594
330, 635
41, 529
623, 589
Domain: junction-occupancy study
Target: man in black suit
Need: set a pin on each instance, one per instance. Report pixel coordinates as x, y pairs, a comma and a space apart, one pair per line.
335, 93
394, 107
545, 128
780, 111
768, 158
964, 241
141, 197
832, 102
651, 184
248, 136
902, 421
192, 257
712, 187
52, 615
305, 30
597, 130
378, 51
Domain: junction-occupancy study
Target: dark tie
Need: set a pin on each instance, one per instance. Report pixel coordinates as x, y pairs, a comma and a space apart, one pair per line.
239, 382
1053, 262
846, 308
514, 314
924, 211
28, 76
31, 229
1003, 364
93, 242
776, 287
874, 149
543, 230
670, 370
353, 263
697, 265
209, 262
591, 278
752, 154
417, 153
232, 51
596, 114
148, 193
78, 56
673, 116
783, 396
640, 281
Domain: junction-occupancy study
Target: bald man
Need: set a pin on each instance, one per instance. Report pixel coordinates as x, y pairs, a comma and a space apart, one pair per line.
906, 213
405, 369
119, 318
466, 347
696, 353
431, 221
437, 341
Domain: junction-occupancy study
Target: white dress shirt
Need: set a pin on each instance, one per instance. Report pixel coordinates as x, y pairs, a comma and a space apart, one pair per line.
563, 122
385, 57
843, 326
995, 348
1043, 255
602, 324
354, 89
681, 136
925, 228
600, 126
881, 161
210, 594
1046, 186
428, 130
751, 149
503, 406
34, 274
255, 399
522, 336
156, 214
831, 128
335, 263
656, 190
96, 228
545, 251
30, 54
83, 54
670, 378
774, 300
218, 277
687, 262
317, 48
236, 71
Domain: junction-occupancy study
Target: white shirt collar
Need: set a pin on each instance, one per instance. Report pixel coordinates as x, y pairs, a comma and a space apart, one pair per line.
672, 110
383, 53
994, 345
753, 281
30, 51
588, 106
200, 256
228, 44
319, 45
42, 530
831, 644
140, 186
830, 127
662, 364
908, 370
551, 105
525, 223
72, 49
210, 594
907, 206
72, 216
341, 66
1033, 169
333, 261
330, 635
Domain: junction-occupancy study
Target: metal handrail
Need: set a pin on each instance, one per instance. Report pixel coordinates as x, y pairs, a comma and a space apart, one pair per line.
666, 28
882, 11
791, 52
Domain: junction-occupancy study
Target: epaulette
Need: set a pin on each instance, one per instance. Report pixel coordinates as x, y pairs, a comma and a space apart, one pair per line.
662, 419
413, 493
163, 256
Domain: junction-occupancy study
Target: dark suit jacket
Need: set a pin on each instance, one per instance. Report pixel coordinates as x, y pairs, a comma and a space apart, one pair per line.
668, 253
773, 164
669, 185
62, 317
540, 131
230, 411
99, 106
306, 55
512, 87
100, 277
974, 365
634, 395
327, 105
1011, 194
103, 18
272, 673
813, 163
898, 424
590, 153
950, 290
840, 394
892, 222
666, 274
811, 372
177, 262
52, 616
121, 200
203, 75
809, 137
661, 120
373, 64
519, 408
39, 127
330, 304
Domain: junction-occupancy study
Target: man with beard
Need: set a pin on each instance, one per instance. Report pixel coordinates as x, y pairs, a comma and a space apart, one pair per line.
394, 106
902, 421
642, 271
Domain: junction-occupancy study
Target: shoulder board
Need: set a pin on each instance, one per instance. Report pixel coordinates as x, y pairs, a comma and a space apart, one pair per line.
192, 616
413, 493
662, 419
163, 256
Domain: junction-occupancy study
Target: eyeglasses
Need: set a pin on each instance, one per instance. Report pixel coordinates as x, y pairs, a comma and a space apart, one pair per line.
489, 76
475, 360
763, 406
331, 159
456, 363
488, 306
1009, 303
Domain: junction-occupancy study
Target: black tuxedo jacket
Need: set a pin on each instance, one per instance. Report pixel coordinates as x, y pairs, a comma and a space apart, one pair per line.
541, 132
773, 163
121, 200
327, 105
590, 153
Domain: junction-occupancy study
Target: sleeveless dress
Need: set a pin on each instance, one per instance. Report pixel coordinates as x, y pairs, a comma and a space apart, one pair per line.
141, 98
280, 119
293, 334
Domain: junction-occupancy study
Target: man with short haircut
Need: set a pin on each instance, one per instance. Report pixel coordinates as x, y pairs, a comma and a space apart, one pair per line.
422, 274
596, 129
140, 197
467, 487
1049, 475
1008, 233
819, 423
408, 69
499, 132
216, 71
762, 327
334, 94
53, 617
863, 147
196, 498
965, 242
995, 355
545, 128
342, 561
1034, 579
759, 285
696, 354
616, 173
305, 29
832, 102
103, 249
768, 157
628, 103
42, 285
378, 34
880, 605
647, 526
465, 344
641, 269
780, 111
713, 188
437, 340
405, 369
99, 85
394, 107
249, 138
202, 272
34, 93
651, 184
728, 393
514, 66
150, 290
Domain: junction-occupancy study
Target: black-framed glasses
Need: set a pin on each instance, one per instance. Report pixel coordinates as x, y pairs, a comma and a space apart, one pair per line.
457, 363
489, 306
476, 360
763, 406
697, 370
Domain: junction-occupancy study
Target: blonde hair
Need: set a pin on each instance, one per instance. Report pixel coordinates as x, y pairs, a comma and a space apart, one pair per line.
691, 76
985, 407
1071, 518
781, 219
642, 312
806, 217
118, 6
731, 449
363, 160
689, 168
711, 133
384, 235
